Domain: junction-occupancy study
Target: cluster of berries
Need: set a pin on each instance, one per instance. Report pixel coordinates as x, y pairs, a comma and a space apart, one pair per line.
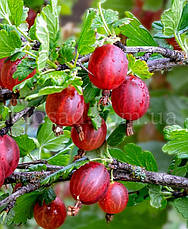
108, 67
88, 185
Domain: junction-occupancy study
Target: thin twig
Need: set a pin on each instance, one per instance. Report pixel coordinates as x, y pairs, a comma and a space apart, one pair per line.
12, 198
127, 172
174, 55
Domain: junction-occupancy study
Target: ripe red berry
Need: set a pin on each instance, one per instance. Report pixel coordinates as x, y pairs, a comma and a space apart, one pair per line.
109, 66
7, 72
2, 175
172, 41
65, 108
62, 190
9, 154
1, 64
115, 199
89, 183
84, 117
50, 216
31, 17
93, 139
131, 99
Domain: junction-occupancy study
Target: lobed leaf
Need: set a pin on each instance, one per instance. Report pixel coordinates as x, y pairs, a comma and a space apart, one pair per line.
26, 67
181, 206
171, 17
42, 35
25, 144
16, 11
138, 67
10, 43
177, 141
87, 37
136, 33
48, 141
134, 155
156, 198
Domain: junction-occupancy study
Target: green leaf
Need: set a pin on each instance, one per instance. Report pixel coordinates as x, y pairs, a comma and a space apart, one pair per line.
67, 51
138, 67
47, 139
133, 186
37, 167
87, 37
48, 196
25, 144
18, 128
3, 112
177, 141
16, 10
110, 17
93, 113
23, 208
180, 171
45, 91
34, 3
136, 33
4, 10
184, 39
23, 69
117, 136
172, 17
52, 19
134, 155
181, 206
90, 92
183, 23
156, 198
64, 173
42, 35
62, 158
10, 43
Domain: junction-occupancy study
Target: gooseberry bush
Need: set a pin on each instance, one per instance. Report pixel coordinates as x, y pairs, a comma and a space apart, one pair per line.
105, 110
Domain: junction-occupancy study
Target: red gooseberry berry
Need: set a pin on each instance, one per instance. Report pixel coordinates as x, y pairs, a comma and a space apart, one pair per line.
2, 175
62, 190
172, 41
92, 139
108, 65
115, 199
84, 117
131, 99
65, 108
89, 183
31, 17
9, 154
50, 216
1, 64
7, 72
